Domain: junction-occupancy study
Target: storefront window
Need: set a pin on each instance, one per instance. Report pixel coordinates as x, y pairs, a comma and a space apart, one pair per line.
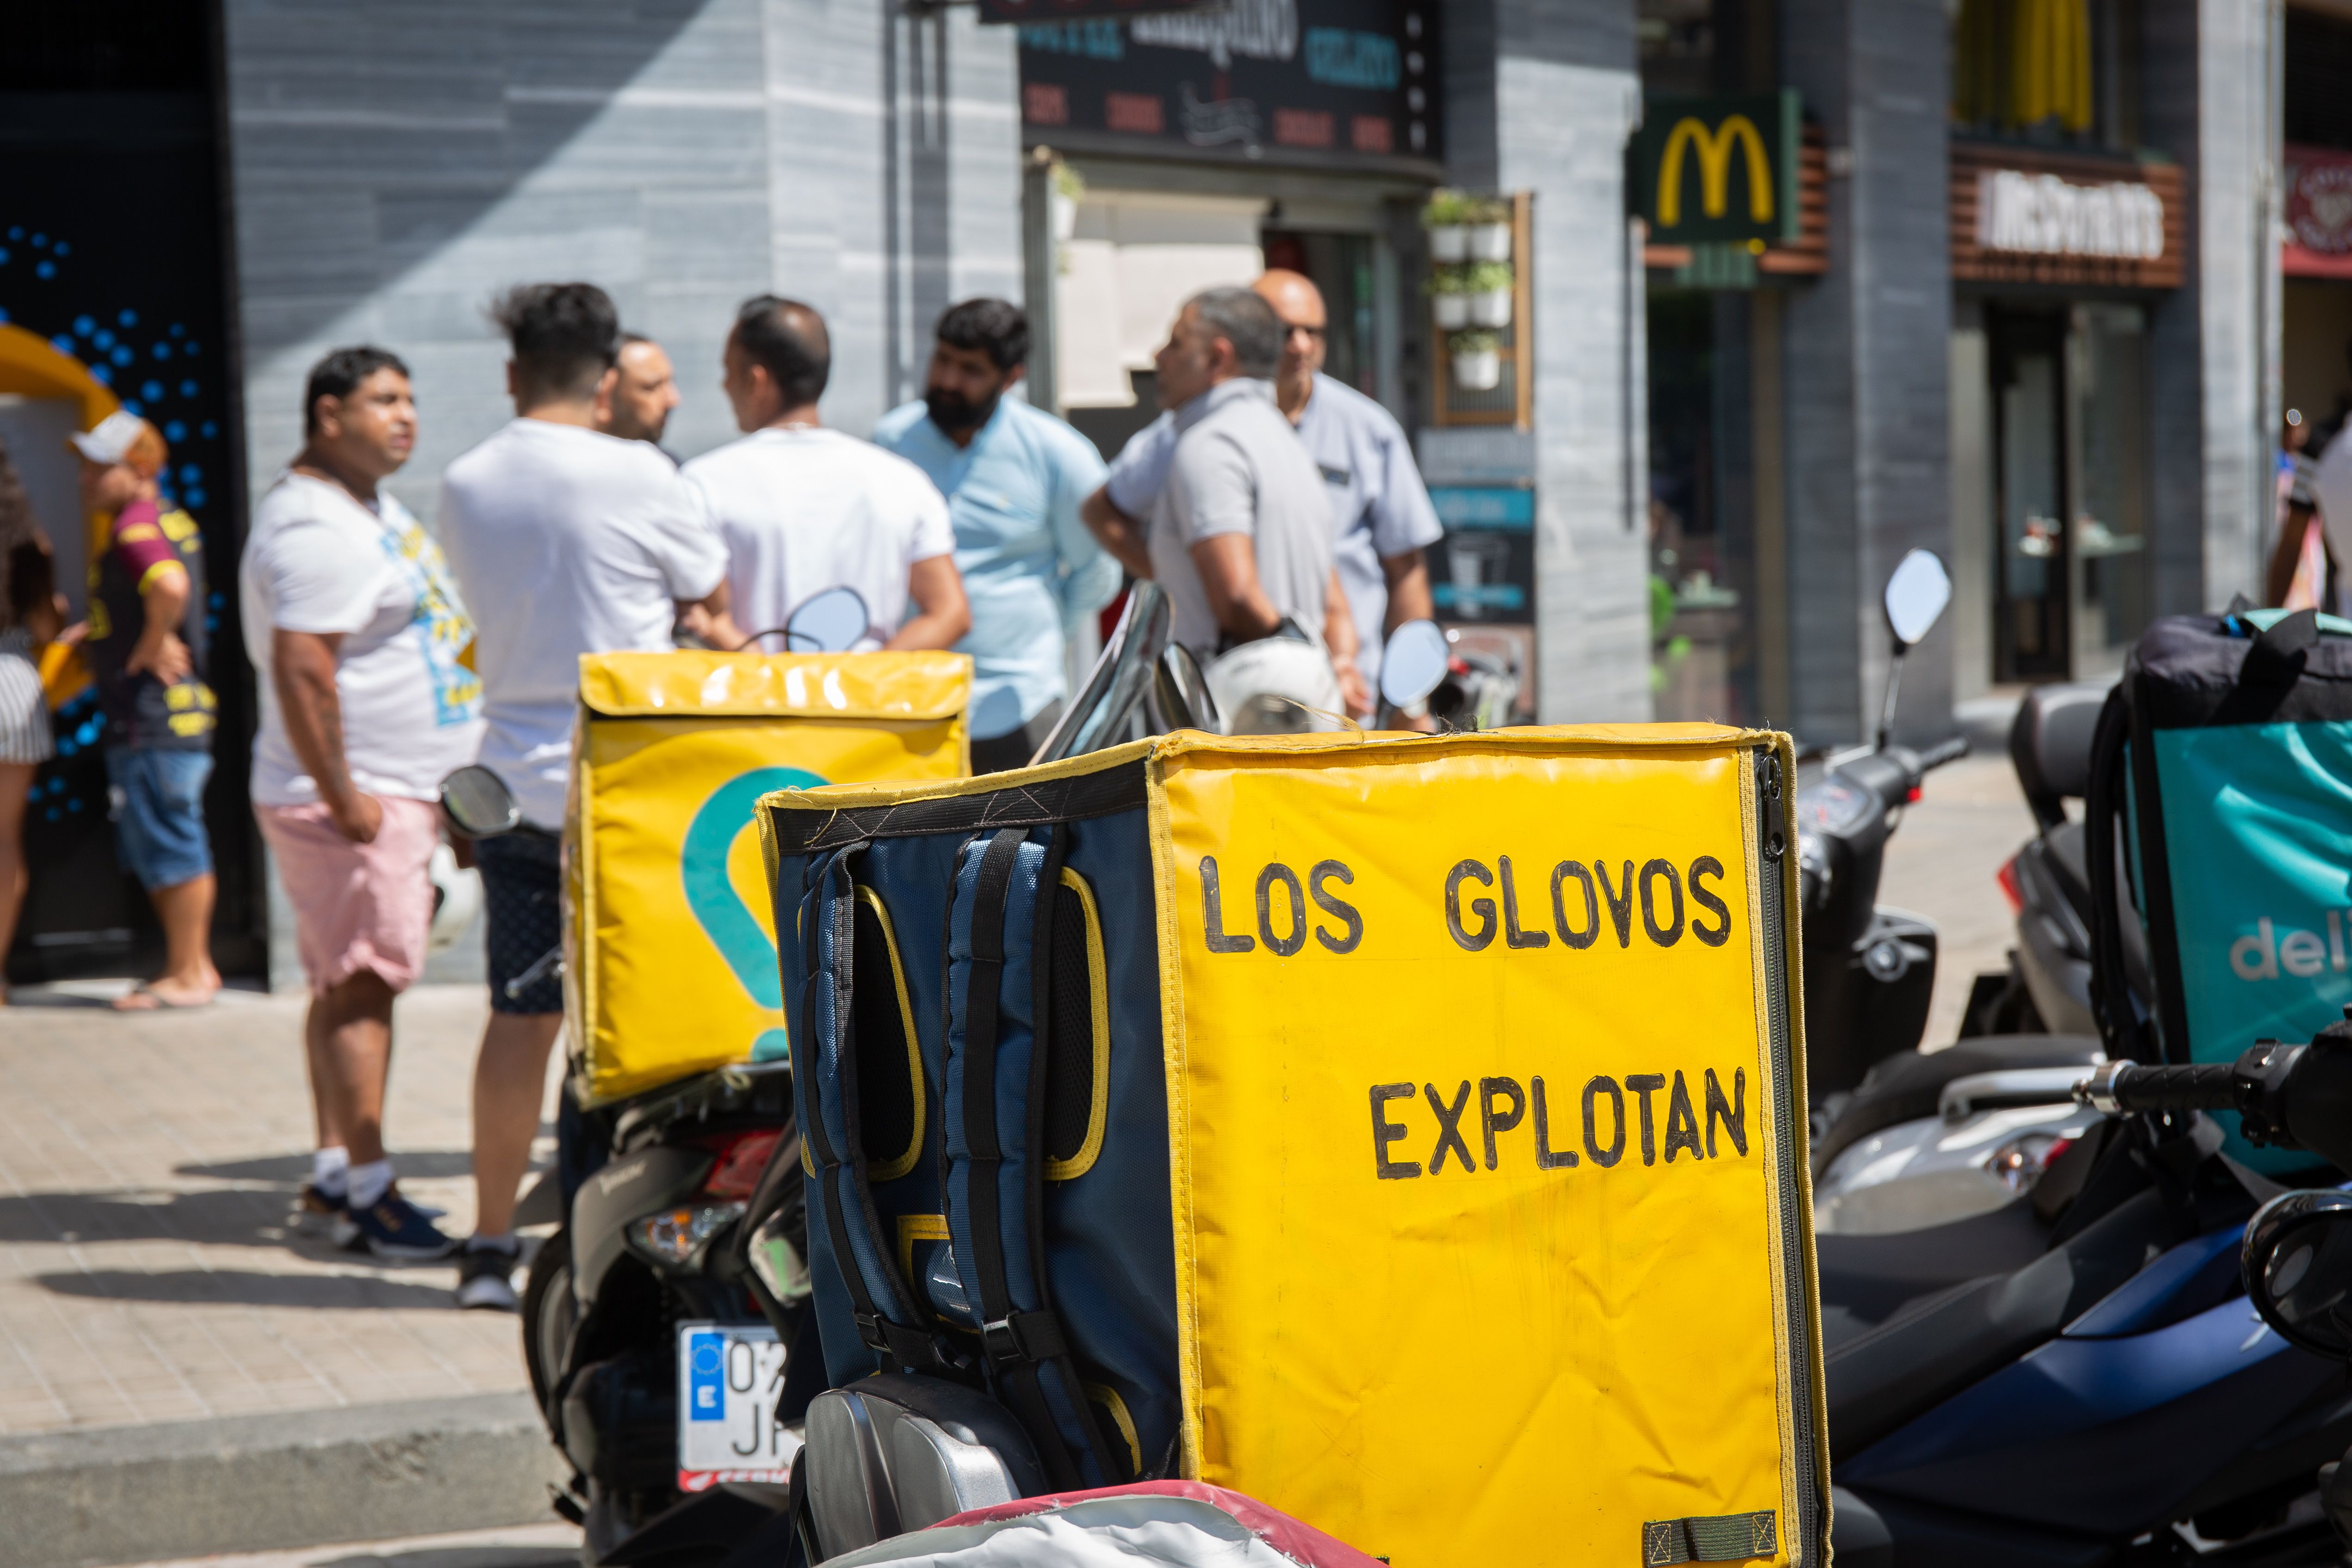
1702, 644
2107, 375
2047, 70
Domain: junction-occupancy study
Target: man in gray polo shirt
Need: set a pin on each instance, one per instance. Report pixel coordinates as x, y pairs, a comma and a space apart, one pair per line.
1241, 528
1380, 513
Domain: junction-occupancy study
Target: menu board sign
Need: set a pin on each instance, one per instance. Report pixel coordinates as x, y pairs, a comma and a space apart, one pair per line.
1306, 82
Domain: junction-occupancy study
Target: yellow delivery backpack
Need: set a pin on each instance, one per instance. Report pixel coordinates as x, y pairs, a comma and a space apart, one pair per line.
669, 964
1406, 1131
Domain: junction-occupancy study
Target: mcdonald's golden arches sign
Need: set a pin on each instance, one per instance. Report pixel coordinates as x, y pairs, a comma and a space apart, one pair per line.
1718, 169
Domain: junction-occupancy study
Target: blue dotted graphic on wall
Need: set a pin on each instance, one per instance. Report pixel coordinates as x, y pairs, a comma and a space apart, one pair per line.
131, 295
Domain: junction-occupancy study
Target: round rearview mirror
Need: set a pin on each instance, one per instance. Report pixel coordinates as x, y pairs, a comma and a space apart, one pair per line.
832, 622
1412, 662
2298, 1261
1917, 594
479, 803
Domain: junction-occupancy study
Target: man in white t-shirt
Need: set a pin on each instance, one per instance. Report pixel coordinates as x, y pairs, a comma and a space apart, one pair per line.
804, 509
358, 645
569, 541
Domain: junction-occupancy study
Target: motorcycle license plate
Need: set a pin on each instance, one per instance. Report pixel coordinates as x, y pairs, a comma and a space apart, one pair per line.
728, 1375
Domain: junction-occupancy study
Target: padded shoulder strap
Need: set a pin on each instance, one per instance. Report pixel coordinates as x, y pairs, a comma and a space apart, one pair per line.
996, 1055
2122, 1025
889, 1320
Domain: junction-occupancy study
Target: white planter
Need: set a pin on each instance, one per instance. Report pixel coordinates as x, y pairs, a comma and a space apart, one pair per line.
1065, 217
1489, 241
1452, 311
1490, 309
1480, 372
1449, 242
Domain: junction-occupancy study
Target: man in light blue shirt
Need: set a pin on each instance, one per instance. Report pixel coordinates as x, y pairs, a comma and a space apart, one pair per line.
1014, 477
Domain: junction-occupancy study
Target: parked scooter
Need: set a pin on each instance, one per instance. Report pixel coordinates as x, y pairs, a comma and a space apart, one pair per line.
1870, 972
2081, 1379
657, 1317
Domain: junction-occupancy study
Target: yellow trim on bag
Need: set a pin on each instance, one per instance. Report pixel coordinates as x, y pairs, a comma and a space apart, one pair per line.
696, 683
1099, 1000
1174, 1046
912, 1228
897, 1165
1108, 1397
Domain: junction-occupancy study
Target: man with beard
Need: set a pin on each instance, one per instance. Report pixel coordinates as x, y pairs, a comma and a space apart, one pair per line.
1014, 477
638, 406
804, 509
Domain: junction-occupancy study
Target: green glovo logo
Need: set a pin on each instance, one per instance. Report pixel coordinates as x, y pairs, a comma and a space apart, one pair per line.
710, 893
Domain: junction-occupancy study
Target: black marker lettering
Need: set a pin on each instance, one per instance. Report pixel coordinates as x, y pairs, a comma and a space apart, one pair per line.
1512, 935
1472, 942
1449, 1128
1667, 934
1682, 1125
1489, 1088
1708, 899
1334, 905
1212, 920
1621, 910
1733, 1116
1385, 1132
1617, 1114
1546, 1157
1278, 873
1576, 939
1645, 1084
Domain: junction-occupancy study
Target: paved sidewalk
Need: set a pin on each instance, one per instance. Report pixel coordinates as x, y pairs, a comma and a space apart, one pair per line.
522, 1546
149, 1269
1971, 818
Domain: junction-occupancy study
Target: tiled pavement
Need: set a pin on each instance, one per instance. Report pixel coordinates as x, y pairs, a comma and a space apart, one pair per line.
1940, 863
149, 1271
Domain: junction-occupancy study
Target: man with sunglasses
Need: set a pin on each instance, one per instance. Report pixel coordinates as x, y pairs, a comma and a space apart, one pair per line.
1380, 513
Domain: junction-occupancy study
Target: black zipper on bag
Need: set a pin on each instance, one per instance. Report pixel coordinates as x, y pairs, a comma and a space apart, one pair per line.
1773, 847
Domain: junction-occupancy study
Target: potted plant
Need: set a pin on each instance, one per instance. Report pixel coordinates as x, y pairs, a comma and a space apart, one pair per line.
1487, 289
1477, 361
1487, 232
1445, 216
1449, 297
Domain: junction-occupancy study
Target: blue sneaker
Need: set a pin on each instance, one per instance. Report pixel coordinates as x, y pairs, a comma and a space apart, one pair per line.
396, 1228
331, 1211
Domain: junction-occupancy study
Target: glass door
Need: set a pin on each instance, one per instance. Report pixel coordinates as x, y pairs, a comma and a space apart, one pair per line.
2031, 624
2107, 413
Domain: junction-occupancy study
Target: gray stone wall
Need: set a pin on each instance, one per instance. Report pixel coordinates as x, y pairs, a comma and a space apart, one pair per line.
393, 168
1866, 380
1542, 97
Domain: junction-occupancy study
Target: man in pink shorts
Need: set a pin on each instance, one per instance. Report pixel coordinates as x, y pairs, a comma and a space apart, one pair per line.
362, 654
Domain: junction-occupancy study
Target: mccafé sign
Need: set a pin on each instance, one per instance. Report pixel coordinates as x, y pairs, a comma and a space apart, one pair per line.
1711, 170
2021, 216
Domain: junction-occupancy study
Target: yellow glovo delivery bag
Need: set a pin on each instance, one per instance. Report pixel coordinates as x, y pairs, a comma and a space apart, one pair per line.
1406, 1131
669, 953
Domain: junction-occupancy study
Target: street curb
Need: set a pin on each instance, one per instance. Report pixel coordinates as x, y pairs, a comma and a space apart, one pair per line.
253, 1483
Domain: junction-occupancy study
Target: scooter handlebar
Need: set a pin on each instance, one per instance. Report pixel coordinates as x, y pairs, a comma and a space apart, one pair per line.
1950, 751
2127, 1087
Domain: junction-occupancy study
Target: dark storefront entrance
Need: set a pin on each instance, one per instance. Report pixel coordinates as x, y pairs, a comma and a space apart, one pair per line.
113, 249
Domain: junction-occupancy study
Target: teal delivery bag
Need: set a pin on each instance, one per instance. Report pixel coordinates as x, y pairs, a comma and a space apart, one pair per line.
2226, 753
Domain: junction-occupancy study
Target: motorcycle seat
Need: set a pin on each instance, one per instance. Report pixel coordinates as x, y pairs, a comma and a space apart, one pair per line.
1885, 1374
2050, 745
1909, 1085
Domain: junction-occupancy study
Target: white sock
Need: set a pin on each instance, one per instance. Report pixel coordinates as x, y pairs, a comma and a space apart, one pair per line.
330, 1170
369, 1182
478, 1242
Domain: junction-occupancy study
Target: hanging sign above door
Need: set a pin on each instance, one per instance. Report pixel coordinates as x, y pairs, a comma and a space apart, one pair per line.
1716, 169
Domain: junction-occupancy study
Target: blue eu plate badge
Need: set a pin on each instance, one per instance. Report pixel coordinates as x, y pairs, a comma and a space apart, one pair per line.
729, 1375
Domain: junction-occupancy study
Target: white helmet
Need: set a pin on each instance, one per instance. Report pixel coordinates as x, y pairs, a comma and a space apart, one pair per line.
1266, 687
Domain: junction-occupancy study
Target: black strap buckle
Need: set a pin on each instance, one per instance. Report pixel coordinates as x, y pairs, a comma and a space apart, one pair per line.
1025, 1337
895, 1342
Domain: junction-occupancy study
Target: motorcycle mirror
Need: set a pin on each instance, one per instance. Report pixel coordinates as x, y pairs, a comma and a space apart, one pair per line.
2297, 1262
1179, 695
832, 622
479, 803
1916, 596
1412, 662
